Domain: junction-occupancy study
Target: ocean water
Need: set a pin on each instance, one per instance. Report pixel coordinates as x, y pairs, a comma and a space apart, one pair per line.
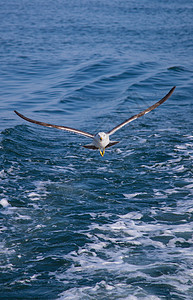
75, 225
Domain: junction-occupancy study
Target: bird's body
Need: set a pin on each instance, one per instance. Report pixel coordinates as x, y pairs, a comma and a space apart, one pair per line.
100, 140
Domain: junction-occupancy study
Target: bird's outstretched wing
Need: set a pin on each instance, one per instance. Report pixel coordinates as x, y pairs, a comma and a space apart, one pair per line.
142, 113
55, 126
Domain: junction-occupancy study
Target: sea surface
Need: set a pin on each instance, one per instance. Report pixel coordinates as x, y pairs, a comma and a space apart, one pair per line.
75, 225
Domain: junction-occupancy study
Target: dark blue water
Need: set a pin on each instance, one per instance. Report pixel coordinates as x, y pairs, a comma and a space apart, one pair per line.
75, 225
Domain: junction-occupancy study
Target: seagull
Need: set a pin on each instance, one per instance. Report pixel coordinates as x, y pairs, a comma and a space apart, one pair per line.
101, 140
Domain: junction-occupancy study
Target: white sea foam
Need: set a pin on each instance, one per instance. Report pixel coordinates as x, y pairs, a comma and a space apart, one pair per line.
4, 202
2, 174
130, 196
34, 196
107, 291
39, 192
113, 245
69, 168
22, 217
127, 246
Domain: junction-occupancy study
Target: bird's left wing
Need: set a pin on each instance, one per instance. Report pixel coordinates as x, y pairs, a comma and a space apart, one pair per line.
142, 113
55, 126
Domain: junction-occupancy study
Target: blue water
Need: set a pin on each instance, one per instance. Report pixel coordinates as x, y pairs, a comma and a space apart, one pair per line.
74, 225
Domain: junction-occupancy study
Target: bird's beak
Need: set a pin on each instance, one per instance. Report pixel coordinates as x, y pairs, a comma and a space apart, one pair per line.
102, 152
101, 138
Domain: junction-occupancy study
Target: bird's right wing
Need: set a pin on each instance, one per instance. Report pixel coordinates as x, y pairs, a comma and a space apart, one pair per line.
142, 113
55, 126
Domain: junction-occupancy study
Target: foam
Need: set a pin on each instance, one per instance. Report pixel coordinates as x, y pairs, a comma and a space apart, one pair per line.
40, 191
134, 195
22, 217
129, 247
4, 203
27, 280
106, 291
34, 196
69, 168
2, 174
111, 250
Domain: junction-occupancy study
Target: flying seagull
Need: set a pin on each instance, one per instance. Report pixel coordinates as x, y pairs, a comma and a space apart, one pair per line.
101, 140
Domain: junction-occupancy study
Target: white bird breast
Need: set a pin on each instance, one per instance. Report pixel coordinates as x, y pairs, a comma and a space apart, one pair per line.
101, 140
